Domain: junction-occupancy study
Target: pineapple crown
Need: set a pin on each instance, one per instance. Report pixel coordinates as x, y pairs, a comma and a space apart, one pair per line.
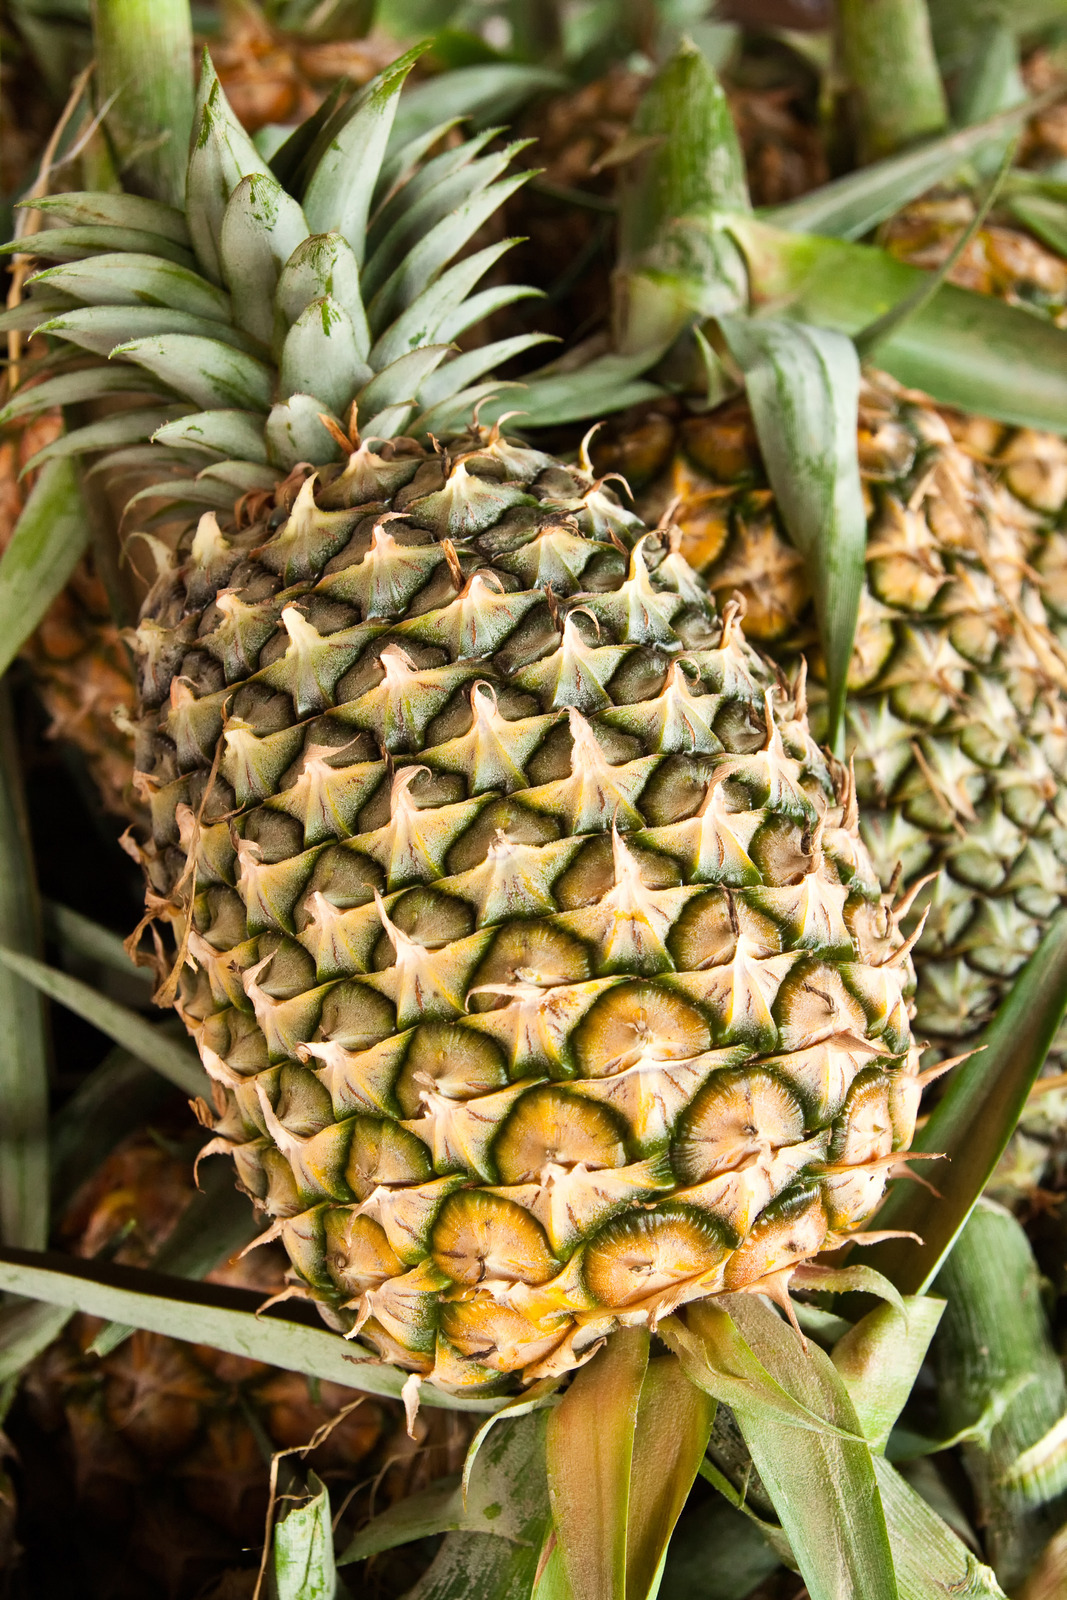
243, 329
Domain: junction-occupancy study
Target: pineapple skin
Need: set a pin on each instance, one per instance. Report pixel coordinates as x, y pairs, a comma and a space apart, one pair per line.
955, 718
529, 940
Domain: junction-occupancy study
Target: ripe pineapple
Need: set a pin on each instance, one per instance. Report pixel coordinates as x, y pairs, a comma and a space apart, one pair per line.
956, 716
525, 932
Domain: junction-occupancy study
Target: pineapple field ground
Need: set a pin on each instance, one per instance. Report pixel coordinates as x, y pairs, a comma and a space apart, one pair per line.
533, 800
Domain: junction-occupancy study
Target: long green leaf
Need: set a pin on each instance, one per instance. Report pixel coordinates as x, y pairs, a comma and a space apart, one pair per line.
339, 192
210, 373
78, 935
589, 1444
131, 279
963, 349
484, 94
224, 1318
605, 384
49, 540
149, 1044
821, 1481
973, 1121
849, 207
803, 387
121, 428
23, 1044
221, 155
303, 1564
87, 207
70, 388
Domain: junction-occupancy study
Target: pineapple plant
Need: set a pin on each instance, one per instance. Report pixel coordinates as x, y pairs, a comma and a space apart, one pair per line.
544, 982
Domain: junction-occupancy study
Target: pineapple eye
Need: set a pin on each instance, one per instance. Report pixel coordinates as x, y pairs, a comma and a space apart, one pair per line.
735, 1119
644, 1254
481, 1237
533, 953
451, 1061
638, 1021
550, 1127
358, 1253
382, 1153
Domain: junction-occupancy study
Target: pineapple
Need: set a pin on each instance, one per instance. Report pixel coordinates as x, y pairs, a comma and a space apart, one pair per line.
955, 718
528, 938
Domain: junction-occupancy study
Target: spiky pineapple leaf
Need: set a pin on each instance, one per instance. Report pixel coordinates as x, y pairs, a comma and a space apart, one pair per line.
803, 387
130, 278
481, 95
261, 227
974, 1119
849, 207
222, 154
149, 1044
228, 432
820, 1479
70, 388
302, 1561
339, 191
224, 1318
91, 209
48, 541
89, 243
122, 427
78, 935
210, 374
605, 384
963, 349
23, 1043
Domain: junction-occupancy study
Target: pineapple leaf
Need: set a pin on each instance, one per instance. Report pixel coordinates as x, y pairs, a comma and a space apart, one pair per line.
101, 328
70, 388
461, 371
295, 433
261, 227
402, 379
235, 433
421, 212
24, 1052
321, 354
973, 1121
222, 154
963, 349
91, 209
607, 383
482, 94
422, 264
803, 387
209, 373
879, 1360
169, 1057
848, 207
144, 58
890, 73
588, 1445
391, 225
324, 264
74, 244
444, 1508
80, 936
303, 1561
132, 279
124, 427
674, 1421
483, 304
929, 1558
341, 186
1045, 217
820, 1477
243, 476
48, 541
420, 322
224, 1318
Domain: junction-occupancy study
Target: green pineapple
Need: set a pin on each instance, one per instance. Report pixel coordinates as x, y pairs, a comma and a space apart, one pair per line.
528, 938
